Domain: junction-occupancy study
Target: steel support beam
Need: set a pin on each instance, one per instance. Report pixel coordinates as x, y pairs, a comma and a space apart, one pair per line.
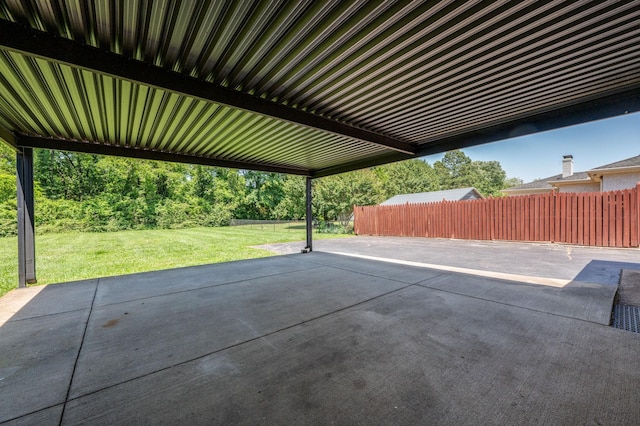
148, 154
26, 234
309, 216
8, 138
597, 107
361, 164
25, 40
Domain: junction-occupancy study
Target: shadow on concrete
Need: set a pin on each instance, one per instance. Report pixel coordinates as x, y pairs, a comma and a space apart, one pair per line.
604, 271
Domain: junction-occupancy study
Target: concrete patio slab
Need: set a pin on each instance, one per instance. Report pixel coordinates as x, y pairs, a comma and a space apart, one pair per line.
47, 417
125, 339
410, 357
39, 301
143, 285
585, 301
37, 359
320, 338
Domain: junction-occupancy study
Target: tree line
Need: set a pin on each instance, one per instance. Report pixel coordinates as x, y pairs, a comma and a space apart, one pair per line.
83, 192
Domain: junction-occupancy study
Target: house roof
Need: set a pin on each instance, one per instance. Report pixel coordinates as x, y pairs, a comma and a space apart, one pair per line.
543, 184
629, 162
304, 87
435, 196
577, 176
537, 184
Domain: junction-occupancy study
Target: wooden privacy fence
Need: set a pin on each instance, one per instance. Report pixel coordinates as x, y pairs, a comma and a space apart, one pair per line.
607, 219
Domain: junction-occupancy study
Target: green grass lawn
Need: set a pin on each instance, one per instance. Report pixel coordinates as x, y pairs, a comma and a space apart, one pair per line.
74, 256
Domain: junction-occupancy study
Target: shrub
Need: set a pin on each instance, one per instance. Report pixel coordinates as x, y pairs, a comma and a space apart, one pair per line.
326, 227
7, 187
8, 219
58, 216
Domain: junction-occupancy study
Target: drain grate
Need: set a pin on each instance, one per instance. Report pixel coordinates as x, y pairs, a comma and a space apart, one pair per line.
626, 317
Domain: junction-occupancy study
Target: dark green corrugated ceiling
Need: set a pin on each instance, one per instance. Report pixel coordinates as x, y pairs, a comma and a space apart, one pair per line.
308, 87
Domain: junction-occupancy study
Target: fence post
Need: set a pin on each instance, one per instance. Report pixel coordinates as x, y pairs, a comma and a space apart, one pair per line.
636, 220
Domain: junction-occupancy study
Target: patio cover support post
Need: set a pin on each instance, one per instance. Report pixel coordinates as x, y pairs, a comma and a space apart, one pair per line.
309, 217
26, 234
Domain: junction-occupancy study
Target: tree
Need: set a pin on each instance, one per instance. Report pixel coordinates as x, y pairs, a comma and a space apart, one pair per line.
202, 180
407, 177
335, 196
67, 175
97, 193
7, 173
489, 177
229, 187
264, 193
511, 182
456, 170
7, 159
293, 203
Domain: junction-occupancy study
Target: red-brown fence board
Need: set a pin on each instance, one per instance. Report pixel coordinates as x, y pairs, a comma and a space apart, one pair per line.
633, 213
609, 219
612, 219
598, 222
619, 220
592, 220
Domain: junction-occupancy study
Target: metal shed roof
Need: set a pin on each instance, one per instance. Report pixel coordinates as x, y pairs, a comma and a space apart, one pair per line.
307, 87
458, 194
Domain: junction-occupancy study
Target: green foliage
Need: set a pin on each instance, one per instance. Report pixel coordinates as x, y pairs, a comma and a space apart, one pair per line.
456, 170
67, 175
81, 192
489, 177
192, 213
335, 196
264, 193
511, 182
7, 159
334, 228
97, 194
407, 177
293, 204
8, 219
58, 215
7, 186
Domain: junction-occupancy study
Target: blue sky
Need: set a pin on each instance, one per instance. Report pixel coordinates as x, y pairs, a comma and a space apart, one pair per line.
540, 155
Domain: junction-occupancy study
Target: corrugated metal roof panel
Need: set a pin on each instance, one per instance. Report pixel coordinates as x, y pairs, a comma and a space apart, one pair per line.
64, 102
418, 72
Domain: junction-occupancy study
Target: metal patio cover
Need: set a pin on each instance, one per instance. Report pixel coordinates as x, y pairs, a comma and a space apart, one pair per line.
308, 87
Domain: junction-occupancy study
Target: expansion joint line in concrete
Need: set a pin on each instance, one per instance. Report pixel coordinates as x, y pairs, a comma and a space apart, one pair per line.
269, 334
75, 364
171, 293
374, 275
503, 303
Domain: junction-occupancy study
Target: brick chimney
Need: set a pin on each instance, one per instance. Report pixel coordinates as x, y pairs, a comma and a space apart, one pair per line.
567, 165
